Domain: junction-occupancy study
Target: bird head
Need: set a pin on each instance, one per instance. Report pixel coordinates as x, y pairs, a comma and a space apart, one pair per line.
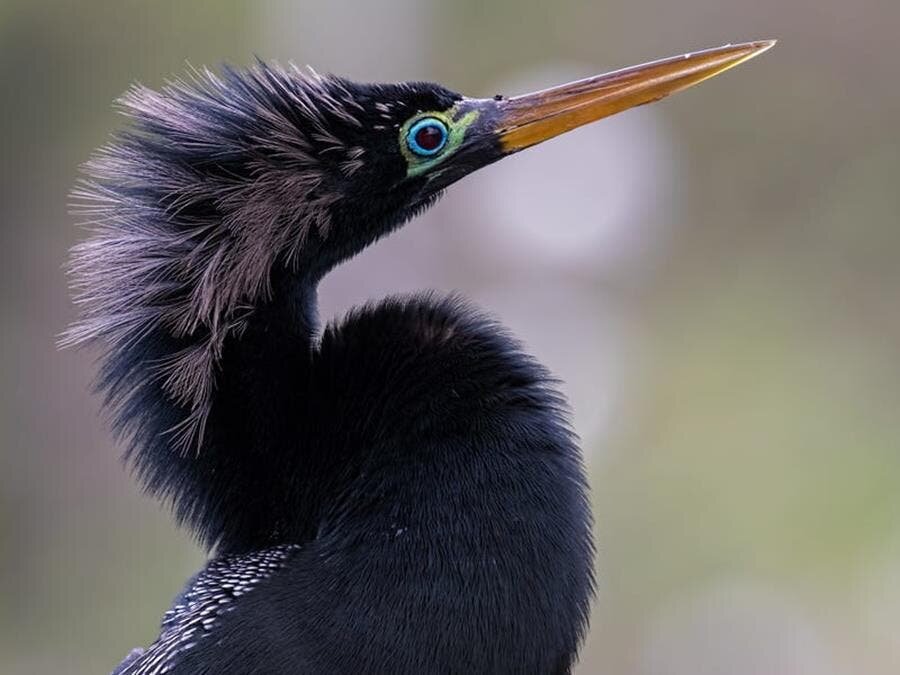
226, 185
379, 154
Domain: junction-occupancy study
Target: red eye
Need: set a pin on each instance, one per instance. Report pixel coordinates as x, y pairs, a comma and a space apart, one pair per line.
427, 137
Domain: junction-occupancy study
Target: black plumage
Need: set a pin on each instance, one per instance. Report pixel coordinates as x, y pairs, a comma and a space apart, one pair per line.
399, 492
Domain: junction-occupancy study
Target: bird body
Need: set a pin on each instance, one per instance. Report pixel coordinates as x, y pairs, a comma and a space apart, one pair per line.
461, 530
465, 529
397, 492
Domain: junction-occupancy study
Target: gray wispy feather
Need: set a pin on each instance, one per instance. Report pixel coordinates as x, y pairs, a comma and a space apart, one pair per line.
217, 179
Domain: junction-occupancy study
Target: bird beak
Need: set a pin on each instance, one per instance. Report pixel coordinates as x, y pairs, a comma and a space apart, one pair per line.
523, 121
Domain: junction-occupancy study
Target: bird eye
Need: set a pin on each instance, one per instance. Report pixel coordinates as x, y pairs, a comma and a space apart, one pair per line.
427, 137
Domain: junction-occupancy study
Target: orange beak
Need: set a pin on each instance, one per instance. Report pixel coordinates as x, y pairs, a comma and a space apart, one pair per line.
530, 119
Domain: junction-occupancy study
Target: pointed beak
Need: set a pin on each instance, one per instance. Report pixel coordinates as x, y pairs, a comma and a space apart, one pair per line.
524, 121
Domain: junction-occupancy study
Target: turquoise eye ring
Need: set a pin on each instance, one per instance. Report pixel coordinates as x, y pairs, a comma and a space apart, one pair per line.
427, 137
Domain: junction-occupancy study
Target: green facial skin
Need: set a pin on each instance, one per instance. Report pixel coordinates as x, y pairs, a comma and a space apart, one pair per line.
456, 129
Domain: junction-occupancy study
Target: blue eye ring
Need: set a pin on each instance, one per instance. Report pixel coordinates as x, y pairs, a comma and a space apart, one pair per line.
427, 124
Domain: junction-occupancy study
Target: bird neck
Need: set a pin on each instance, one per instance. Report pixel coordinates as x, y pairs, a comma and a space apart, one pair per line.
259, 417
231, 488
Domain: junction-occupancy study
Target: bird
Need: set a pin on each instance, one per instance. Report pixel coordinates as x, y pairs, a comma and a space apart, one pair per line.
398, 491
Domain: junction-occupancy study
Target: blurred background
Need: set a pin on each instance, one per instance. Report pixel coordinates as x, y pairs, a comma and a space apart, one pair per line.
714, 278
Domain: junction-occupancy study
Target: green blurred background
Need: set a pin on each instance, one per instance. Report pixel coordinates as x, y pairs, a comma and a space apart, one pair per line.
714, 278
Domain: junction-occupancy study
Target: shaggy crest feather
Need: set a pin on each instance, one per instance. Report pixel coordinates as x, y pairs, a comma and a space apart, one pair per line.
219, 179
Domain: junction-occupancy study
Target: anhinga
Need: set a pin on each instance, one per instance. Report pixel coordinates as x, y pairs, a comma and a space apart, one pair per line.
397, 493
